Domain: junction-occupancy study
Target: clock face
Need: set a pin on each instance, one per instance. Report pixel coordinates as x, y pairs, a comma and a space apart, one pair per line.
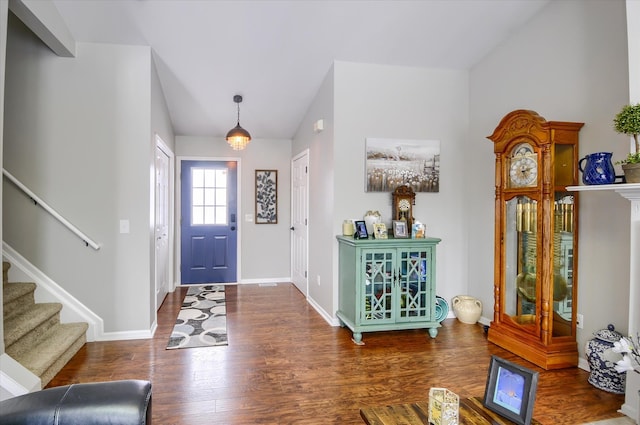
404, 205
523, 169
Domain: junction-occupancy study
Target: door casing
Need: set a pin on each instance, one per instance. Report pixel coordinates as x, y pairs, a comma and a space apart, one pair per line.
299, 222
164, 272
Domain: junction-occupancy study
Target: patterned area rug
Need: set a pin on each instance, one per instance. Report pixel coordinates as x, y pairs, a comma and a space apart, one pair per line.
202, 321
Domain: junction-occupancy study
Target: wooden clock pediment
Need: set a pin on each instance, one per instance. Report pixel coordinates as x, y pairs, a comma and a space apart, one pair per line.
520, 124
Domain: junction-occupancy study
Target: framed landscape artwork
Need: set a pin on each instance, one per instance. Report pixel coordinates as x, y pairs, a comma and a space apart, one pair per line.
394, 162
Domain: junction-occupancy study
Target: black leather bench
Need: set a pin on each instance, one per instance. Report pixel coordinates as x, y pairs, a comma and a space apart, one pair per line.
115, 403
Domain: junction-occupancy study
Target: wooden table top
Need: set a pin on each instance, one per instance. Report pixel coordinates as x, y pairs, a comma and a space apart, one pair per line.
471, 412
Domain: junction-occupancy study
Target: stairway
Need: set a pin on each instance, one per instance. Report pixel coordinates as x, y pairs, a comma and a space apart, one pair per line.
33, 334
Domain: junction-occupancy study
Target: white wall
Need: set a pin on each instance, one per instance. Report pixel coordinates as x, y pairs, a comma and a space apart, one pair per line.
405, 103
384, 102
569, 63
161, 126
265, 248
78, 135
4, 11
160, 119
321, 196
633, 37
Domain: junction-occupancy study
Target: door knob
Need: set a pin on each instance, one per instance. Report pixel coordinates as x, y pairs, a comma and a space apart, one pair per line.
292, 228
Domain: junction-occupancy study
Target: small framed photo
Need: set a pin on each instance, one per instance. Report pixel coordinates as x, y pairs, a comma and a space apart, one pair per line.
511, 390
379, 231
400, 229
361, 230
418, 231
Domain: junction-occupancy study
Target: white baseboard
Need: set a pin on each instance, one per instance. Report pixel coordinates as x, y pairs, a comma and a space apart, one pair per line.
484, 321
126, 335
333, 321
240, 282
15, 379
269, 280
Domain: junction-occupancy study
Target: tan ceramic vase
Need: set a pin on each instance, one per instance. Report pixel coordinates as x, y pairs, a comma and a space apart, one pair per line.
631, 173
466, 308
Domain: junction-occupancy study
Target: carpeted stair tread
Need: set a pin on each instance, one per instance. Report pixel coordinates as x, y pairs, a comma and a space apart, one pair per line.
30, 325
33, 334
49, 356
5, 271
14, 290
17, 298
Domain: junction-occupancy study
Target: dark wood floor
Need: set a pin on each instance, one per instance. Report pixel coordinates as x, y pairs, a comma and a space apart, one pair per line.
284, 364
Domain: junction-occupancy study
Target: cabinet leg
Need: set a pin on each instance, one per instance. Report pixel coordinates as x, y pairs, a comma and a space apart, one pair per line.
357, 338
433, 332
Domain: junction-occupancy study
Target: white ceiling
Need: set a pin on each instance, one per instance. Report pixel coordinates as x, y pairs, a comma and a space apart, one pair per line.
276, 53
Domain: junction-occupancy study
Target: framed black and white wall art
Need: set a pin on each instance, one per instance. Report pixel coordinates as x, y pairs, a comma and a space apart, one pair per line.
394, 162
266, 197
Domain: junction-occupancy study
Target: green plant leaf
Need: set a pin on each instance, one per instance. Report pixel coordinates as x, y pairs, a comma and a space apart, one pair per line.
627, 121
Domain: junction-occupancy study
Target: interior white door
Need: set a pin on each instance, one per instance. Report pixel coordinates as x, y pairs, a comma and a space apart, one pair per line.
162, 221
299, 214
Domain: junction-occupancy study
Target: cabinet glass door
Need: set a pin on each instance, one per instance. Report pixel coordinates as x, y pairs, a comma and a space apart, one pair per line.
377, 302
414, 286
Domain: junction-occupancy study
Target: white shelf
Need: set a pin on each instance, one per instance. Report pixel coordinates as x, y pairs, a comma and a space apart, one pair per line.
616, 187
631, 191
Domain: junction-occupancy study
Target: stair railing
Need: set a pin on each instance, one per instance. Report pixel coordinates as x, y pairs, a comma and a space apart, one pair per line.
86, 239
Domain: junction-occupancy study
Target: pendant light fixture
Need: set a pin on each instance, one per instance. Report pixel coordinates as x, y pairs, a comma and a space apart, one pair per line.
238, 138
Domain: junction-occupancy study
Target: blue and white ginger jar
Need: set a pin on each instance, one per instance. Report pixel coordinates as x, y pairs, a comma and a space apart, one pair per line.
602, 361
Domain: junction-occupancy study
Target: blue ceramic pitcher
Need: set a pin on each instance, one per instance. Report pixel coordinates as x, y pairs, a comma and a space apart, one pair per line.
598, 168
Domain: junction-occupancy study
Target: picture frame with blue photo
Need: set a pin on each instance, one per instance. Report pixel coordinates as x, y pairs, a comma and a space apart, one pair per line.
510, 390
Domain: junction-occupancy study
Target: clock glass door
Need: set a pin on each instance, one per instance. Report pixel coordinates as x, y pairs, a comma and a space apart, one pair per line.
520, 262
563, 248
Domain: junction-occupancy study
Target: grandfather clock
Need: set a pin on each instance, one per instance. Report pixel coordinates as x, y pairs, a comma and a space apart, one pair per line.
536, 247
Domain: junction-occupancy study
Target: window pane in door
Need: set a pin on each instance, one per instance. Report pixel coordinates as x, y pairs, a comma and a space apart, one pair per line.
221, 197
209, 178
197, 196
197, 177
221, 178
208, 196
221, 215
197, 215
210, 215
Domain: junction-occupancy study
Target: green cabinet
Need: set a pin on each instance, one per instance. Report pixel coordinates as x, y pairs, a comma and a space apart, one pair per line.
387, 284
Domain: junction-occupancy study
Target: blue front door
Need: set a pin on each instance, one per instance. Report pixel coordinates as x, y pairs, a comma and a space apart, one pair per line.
209, 221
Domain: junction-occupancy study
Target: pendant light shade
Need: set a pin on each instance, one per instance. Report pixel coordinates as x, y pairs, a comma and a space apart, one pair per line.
238, 138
